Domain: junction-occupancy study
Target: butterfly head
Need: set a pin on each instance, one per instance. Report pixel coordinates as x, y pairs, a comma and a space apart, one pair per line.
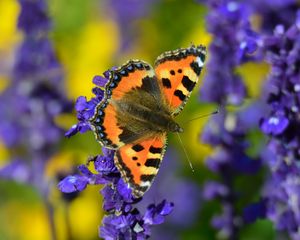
174, 127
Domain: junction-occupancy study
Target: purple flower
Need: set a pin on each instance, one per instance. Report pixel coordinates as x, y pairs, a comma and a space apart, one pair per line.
281, 123
86, 109
31, 103
255, 211
273, 13
73, 183
16, 170
35, 18
35, 93
214, 190
274, 124
133, 225
233, 43
155, 214
123, 220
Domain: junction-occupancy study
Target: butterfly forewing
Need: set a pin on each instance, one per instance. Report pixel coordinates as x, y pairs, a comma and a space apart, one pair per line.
106, 120
178, 72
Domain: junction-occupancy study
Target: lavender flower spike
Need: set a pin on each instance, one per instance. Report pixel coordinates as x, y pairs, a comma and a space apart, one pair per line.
124, 221
233, 44
31, 102
281, 124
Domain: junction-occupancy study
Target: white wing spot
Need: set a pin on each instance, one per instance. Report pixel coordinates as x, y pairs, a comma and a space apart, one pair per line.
199, 62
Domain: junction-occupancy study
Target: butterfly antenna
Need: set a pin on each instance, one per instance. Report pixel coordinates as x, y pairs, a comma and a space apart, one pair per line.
186, 154
204, 115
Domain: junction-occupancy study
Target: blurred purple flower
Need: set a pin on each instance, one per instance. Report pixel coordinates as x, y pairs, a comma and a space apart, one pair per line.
35, 95
281, 122
214, 190
274, 12
17, 170
35, 19
227, 133
233, 43
31, 102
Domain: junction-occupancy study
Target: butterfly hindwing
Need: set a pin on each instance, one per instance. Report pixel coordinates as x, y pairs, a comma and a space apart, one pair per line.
178, 72
139, 162
105, 122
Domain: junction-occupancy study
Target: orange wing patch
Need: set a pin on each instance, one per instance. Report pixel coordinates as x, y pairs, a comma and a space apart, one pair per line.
178, 72
105, 122
139, 162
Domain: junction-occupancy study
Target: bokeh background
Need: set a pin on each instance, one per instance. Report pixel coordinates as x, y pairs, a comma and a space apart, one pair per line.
89, 37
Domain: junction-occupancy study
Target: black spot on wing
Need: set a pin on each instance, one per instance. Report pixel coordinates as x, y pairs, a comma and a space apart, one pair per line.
194, 65
166, 82
152, 162
137, 148
147, 177
179, 94
188, 83
134, 158
155, 150
172, 72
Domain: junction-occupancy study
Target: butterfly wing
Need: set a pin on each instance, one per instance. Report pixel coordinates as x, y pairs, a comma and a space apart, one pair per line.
139, 162
106, 120
178, 72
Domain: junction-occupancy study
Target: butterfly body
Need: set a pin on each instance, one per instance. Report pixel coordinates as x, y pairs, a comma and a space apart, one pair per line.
145, 114
139, 109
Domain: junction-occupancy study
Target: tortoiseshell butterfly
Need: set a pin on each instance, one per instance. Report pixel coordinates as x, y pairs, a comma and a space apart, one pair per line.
138, 110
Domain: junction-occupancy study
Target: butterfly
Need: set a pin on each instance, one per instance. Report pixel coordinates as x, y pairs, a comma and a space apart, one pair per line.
138, 109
